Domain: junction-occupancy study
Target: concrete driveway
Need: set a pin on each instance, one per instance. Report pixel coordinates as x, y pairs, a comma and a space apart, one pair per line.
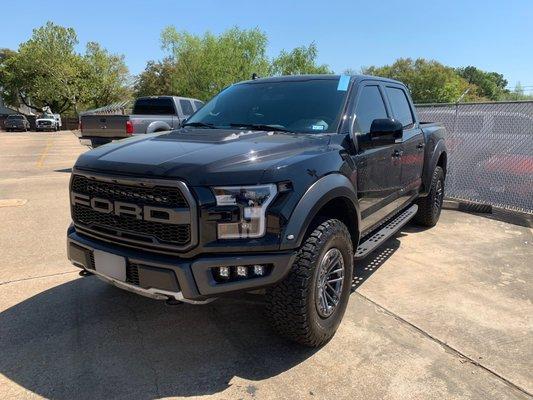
439, 313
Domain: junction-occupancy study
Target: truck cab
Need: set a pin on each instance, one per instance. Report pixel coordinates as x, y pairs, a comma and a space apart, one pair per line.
277, 185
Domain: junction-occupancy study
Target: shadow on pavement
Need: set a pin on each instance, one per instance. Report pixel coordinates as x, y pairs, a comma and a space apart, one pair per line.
86, 339
363, 269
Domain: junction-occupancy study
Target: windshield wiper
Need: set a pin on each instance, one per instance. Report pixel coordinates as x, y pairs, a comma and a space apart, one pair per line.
199, 124
261, 127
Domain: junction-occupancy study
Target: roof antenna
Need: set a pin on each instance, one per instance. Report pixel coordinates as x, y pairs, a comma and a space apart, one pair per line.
255, 76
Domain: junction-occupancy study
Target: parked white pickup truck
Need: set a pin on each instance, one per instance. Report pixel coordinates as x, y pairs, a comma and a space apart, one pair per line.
48, 122
150, 114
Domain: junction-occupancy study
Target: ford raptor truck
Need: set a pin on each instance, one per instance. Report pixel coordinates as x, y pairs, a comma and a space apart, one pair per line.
276, 186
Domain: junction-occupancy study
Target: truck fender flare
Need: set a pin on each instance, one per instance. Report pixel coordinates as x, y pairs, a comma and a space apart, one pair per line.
440, 148
158, 126
319, 194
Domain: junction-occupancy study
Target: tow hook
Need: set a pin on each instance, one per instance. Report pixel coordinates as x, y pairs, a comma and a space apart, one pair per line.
172, 302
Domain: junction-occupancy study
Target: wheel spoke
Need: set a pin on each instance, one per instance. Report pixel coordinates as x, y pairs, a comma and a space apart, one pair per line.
330, 282
332, 299
323, 301
336, 271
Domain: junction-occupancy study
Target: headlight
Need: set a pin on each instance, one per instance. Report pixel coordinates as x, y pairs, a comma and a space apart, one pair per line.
253, 202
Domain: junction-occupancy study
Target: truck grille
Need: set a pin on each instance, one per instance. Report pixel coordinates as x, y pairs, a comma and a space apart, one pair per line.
128, 229
160, 196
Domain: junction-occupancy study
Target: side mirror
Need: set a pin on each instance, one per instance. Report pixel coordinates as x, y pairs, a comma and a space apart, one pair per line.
385, 131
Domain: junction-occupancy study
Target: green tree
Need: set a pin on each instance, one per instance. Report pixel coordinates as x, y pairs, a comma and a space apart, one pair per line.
301, 60
46, 71
490, 85
7, 92
429, 81
105, 78
201, 66
204, 65
517, 94
159, 78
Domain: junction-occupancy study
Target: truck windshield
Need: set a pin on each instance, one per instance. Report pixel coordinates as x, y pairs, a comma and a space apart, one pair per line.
306, 106
15, 117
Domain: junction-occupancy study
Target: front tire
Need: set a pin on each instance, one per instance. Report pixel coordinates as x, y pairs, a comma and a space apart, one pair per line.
308, 305
429, 207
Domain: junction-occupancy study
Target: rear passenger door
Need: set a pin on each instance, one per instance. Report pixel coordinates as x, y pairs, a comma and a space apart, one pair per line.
412, 147
378, 167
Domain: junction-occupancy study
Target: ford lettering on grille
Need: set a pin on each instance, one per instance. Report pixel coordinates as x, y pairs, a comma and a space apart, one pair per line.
120, 208
157, 215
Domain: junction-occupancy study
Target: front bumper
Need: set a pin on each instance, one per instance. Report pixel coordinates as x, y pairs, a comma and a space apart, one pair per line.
191, 280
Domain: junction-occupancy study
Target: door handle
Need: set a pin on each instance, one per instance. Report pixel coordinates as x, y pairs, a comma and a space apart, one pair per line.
420, 145
397, 153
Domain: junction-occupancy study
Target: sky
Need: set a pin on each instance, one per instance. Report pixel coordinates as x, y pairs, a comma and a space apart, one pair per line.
493, 35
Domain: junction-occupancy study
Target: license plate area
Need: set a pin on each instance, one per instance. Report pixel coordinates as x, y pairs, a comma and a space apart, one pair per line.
110, 265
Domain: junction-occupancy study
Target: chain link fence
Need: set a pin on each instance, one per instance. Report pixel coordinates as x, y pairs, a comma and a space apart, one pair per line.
490, 148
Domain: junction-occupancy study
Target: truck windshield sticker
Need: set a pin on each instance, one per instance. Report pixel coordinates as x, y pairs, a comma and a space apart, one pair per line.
318, 127
343, 83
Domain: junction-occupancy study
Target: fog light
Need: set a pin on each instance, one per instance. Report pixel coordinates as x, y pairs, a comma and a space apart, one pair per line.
259, 270
242, 271
224, 272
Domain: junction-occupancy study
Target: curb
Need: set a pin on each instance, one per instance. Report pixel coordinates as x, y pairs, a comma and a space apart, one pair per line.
489, 211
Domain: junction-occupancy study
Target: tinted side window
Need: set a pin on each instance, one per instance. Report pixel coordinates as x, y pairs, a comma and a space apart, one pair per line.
370, 106
400, 106
186, 107
198, 104
154, 107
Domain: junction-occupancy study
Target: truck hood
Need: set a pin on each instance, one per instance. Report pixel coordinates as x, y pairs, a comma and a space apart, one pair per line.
205, 156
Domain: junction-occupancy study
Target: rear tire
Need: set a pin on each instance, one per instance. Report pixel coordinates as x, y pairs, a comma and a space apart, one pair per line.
308, 305
430, 206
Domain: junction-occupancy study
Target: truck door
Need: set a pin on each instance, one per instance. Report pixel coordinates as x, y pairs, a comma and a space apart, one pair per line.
378, 168
412, 149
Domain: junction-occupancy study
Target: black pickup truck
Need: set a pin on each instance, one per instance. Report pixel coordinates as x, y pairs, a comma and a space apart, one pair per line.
276, 186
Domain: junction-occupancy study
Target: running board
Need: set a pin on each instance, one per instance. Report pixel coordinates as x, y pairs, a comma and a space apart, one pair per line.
381, 236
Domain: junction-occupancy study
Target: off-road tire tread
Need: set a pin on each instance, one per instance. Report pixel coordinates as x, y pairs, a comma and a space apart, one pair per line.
287, 300
425, 215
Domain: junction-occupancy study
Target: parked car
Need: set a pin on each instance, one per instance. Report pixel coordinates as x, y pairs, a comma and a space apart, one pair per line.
506, 178
48, 122
16, 122
150, 114
274, 186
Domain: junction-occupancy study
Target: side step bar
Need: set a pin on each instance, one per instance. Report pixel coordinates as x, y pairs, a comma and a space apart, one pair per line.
378, 238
